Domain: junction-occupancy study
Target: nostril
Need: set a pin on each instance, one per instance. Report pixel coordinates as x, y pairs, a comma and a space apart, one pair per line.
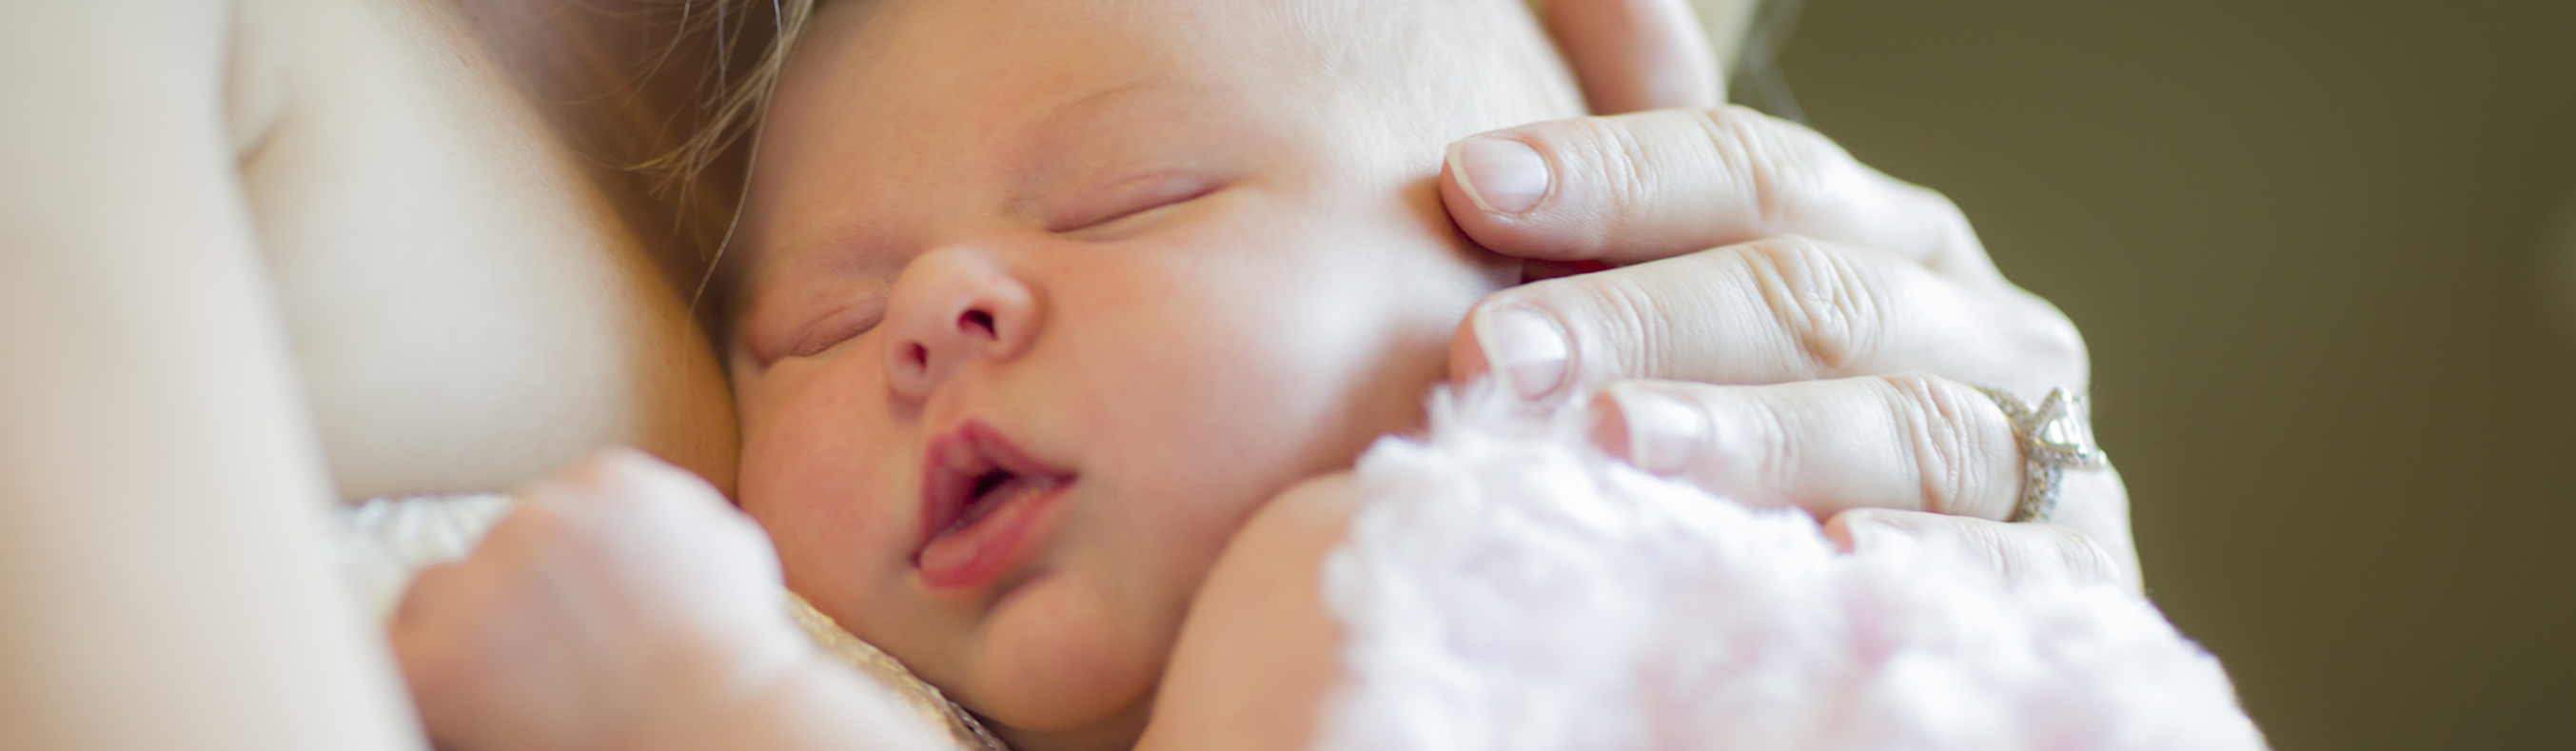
978, 319
920, 356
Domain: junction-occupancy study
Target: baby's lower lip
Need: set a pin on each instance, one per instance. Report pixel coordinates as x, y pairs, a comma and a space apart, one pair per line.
972, 555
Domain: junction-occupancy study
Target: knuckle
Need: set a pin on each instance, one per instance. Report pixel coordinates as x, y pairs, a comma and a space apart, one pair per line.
1953, 240
1630, 308
1939, 208
1951, 435
1612, 159
2022, 552
1774, 167
1612, 321
2047, 551
1938, 203
1989, 541
2014, 556
2055, 346
2028, 552
1825, 305
2080, 557
1778, 455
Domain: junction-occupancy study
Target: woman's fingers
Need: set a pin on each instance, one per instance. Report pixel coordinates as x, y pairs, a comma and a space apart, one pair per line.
1629, 188
2017, 550
1908, 442
1912, 443
1768, 311
1858, 273
1632, 55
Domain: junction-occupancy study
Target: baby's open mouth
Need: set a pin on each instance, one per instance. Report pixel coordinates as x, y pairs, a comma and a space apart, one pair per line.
980, 499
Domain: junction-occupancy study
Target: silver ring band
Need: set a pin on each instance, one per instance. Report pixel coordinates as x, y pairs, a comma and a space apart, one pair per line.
2053, 437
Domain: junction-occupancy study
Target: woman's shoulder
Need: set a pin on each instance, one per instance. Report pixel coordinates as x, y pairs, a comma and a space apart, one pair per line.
468, 306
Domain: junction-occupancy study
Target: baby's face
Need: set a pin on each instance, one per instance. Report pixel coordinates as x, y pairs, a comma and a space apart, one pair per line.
1046, 298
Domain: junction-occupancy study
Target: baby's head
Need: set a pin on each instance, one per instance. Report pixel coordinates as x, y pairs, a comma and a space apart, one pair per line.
1043, 298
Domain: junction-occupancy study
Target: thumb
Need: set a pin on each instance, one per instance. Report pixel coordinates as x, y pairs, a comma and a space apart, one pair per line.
1633, 55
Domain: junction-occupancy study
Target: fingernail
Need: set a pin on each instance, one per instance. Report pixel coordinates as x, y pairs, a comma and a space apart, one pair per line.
1501, 175
1525, 348
1664, 430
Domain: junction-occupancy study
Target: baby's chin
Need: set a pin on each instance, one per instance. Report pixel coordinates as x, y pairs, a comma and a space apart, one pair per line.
1060, 661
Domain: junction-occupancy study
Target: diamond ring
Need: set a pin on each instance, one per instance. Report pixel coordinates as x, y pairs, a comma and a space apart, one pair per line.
2053, 437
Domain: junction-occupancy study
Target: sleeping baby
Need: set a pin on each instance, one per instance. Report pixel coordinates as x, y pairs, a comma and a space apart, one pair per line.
1057, 329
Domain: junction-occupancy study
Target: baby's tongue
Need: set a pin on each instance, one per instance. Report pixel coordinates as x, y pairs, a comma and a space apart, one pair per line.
995, 536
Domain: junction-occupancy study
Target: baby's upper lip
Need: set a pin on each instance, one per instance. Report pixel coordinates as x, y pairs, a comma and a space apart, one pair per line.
958, 461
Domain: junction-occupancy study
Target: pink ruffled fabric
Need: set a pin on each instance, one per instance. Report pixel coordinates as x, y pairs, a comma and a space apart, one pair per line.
1506, 587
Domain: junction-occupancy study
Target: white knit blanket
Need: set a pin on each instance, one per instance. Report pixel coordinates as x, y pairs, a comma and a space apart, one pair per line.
1507, 587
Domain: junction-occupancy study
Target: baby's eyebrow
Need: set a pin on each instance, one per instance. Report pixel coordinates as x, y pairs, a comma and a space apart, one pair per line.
1105, 97
1063, 125
1067, 127
1089, 131
802, 258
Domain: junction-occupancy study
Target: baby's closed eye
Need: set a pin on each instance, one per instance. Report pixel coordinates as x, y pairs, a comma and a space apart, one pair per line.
1104, 214
1122, 210
840, 325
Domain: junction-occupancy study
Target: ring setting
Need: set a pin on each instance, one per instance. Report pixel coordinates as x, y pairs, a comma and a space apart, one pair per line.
2053, 436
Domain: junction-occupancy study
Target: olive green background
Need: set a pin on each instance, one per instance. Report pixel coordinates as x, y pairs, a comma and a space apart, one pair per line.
2311, 246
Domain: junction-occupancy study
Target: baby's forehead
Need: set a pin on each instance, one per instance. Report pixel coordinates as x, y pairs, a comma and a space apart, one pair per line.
894, 105
951, 86
1439, 55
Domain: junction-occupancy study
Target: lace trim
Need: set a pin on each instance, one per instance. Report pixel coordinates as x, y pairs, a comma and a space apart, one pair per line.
924, 698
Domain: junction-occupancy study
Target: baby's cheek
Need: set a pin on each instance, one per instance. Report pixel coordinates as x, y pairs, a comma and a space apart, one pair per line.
1066, 655
821, 482
808, 531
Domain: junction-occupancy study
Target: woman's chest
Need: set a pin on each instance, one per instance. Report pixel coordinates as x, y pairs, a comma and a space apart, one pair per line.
467, 310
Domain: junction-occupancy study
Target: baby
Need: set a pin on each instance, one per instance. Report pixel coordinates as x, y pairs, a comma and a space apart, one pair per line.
1045, 300
1057, 323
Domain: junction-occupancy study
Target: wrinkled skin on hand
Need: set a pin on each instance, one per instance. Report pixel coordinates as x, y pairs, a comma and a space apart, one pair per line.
1776, 322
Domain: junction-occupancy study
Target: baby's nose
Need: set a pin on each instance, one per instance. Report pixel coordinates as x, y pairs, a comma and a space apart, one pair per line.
951, 307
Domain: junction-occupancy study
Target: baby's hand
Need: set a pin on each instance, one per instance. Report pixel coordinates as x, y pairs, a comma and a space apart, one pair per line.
623, 605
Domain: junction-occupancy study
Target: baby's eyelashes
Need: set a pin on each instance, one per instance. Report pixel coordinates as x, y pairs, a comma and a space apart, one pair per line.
1114, 213
840, 326
1096, 211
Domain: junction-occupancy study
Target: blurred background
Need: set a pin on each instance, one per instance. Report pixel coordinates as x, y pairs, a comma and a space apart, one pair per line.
2325, 255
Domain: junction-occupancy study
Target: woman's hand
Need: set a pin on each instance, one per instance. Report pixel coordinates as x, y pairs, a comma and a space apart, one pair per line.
1752, 252
624, 604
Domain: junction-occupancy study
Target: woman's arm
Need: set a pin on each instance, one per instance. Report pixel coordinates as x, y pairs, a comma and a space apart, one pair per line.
164, 578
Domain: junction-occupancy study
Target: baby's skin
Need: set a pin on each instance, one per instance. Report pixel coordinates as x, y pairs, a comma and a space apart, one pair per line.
1059, 320
1045, 302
